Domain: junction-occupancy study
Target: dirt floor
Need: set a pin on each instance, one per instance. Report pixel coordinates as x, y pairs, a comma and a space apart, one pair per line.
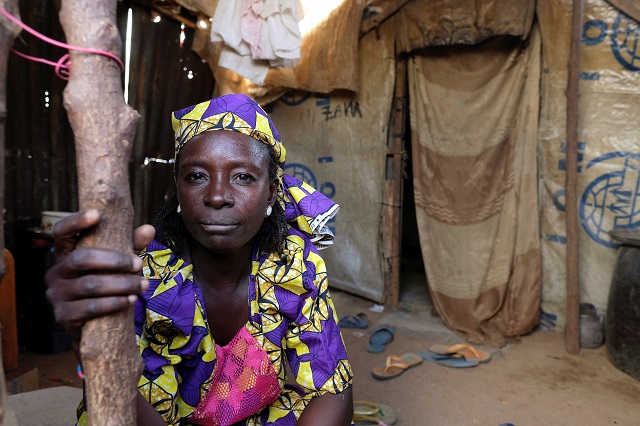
533, 382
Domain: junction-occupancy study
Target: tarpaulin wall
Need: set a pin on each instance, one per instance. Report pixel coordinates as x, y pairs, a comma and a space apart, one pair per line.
337, 143
335, 128
474, 116
609, 154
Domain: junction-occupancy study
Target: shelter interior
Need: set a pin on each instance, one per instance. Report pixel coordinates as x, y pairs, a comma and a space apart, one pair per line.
441, 130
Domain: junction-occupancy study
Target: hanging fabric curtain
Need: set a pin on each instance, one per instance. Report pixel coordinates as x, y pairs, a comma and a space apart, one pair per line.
474, 117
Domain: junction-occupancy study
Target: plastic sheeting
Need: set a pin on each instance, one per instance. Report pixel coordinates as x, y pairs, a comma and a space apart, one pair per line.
337, 144
474, 116
609, 158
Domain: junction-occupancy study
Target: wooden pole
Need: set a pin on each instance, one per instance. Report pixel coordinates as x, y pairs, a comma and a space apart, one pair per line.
8, 32
572, 329
104, 127
392, 208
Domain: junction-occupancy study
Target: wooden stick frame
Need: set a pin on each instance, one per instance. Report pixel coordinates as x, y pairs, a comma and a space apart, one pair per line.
104, 127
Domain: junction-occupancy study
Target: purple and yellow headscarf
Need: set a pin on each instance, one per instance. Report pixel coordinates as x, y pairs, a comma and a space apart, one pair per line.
305, 208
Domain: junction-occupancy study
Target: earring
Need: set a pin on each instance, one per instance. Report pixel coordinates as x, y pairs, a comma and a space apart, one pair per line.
268, 212
179, 209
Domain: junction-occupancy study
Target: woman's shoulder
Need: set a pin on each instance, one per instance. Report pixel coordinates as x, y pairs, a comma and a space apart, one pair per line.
295, 270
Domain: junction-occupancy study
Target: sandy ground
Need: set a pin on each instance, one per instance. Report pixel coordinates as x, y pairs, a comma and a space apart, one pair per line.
533, 382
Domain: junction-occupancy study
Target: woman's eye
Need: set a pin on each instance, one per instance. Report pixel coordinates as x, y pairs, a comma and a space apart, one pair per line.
194, 177
244, 178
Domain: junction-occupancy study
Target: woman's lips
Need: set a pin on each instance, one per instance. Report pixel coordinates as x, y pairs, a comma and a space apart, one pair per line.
218, 226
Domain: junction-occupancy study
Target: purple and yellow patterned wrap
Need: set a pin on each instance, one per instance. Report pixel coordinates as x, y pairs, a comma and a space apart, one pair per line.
291, 311
305, 208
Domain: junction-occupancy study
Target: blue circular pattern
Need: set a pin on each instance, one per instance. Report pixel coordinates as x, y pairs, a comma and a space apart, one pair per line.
594, 32
625, 41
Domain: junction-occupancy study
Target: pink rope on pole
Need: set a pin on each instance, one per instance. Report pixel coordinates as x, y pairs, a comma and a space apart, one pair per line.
63, 66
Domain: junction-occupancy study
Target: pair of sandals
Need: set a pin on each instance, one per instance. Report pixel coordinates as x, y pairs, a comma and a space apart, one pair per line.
461, 355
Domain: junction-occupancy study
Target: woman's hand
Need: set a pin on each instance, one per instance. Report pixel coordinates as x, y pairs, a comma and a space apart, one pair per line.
86, 283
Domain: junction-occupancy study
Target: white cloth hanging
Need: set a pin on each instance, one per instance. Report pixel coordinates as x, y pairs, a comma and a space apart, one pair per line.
257, 34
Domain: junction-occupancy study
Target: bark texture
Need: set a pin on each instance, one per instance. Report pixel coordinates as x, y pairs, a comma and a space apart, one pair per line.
104, 128
8, 32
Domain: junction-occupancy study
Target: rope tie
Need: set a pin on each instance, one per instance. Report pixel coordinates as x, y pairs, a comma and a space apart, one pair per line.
63, 66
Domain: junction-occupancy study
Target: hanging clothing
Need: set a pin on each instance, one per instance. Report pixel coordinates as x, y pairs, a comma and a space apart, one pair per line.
257, 35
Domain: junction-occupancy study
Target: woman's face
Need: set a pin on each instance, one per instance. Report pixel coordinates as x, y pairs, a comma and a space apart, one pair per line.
223, 188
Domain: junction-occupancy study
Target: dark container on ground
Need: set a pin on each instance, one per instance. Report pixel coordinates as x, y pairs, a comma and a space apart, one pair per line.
623, 308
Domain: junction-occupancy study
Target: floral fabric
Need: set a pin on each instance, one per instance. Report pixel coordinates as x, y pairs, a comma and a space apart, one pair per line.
292, 315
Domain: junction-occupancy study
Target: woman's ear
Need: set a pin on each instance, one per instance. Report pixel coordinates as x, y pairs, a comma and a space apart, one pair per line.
272, 194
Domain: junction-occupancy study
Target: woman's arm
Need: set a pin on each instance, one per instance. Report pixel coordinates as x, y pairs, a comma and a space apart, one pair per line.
329, 409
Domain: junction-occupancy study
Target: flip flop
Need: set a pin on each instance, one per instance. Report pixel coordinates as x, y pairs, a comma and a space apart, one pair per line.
465, 350
370, 413
385, 415
448, 360
354, 321
395, 366
383, 412
380, 336
365, 408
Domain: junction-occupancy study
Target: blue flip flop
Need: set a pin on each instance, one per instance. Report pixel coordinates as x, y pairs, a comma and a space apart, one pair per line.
354, 321
380, 336
448, 360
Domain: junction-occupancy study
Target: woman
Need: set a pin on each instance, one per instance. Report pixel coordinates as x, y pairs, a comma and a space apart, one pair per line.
233, 286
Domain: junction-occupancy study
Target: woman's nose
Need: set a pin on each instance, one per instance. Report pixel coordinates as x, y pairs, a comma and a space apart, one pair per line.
219, 193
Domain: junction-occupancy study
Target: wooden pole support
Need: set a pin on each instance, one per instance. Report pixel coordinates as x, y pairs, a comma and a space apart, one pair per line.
392, 208
104, 127
572, 329
8, 32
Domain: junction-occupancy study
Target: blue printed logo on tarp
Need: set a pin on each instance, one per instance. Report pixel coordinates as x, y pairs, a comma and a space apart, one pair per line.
625, 39
624, 42
614, 193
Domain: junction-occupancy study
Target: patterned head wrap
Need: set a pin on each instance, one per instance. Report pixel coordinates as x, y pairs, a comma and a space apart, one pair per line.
305, 208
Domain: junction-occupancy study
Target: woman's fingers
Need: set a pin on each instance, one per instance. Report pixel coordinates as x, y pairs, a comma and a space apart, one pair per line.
142, 236
97, 286
90, 282
74, 314
79, 299
87, 260
65, 231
